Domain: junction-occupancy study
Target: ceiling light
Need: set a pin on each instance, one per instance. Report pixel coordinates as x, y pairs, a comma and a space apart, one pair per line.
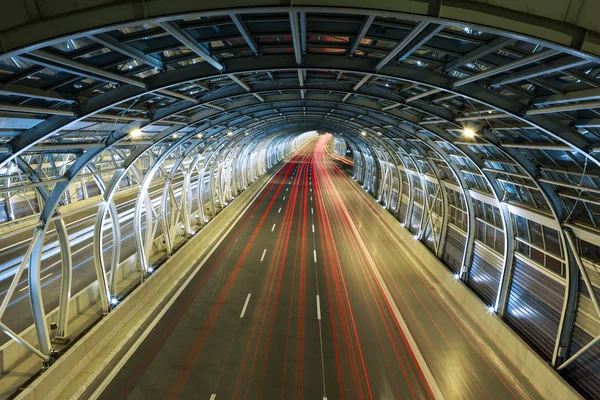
363, 133
469, 132
199, 136
229, 133
136, 132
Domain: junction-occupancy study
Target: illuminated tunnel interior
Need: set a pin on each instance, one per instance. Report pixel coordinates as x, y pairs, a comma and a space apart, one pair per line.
127, 127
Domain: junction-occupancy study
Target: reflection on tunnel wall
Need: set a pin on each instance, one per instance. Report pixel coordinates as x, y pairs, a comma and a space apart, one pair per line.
526, 288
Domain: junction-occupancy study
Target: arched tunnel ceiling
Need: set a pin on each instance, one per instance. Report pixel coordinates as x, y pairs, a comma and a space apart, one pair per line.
395, 77
562, 22
508, 119
398, 76
245, 72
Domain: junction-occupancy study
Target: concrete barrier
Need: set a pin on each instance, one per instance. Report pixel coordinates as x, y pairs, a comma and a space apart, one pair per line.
17, 364
77, 369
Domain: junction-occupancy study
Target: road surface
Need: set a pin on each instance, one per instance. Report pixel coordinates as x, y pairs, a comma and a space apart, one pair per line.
309, 297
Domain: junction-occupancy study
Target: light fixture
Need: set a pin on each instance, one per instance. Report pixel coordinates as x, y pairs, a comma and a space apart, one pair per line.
150, 270
136, 132
419, 63
491, 309
416, 237
363, 133
380, 134
247, 133
456, 276
175, 136
114, 301
229, 133
199, 136
469, 132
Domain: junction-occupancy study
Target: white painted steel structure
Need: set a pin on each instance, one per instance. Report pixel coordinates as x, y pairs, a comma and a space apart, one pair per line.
475, 124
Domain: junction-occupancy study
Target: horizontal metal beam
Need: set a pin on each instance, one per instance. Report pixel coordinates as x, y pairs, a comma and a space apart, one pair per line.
26, 91
128, 50
216, 107
542, 69
35, 110
121, 117
578, 95
362, 82
177, 95
506, 67
402, 44
361, 34
587, 123
241, 26
238, 81
482, 116
570, 185
191, 43
296, 42
563, 108
538, 146
482, 51
423, 94
81, 68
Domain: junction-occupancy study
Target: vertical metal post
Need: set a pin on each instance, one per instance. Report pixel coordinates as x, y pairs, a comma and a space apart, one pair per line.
35, 291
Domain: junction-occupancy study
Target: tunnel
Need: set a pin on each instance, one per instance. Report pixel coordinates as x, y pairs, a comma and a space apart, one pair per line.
127, 127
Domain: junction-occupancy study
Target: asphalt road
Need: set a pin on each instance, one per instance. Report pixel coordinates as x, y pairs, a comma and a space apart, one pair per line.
309, 297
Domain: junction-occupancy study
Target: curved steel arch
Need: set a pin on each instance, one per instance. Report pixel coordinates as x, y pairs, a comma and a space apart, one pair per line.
237, 95
313, 62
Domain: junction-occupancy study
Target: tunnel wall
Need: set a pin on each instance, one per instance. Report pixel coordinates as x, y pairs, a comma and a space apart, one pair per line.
535, 295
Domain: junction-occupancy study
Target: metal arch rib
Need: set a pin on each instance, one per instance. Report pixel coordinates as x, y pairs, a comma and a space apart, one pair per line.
418, 75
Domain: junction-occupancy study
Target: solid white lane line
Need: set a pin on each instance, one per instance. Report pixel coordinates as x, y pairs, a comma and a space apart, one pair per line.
244, 309
313, 226
395, 310
315, 255
263, 255
318, 308
273, 228
214, 396
279, 210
